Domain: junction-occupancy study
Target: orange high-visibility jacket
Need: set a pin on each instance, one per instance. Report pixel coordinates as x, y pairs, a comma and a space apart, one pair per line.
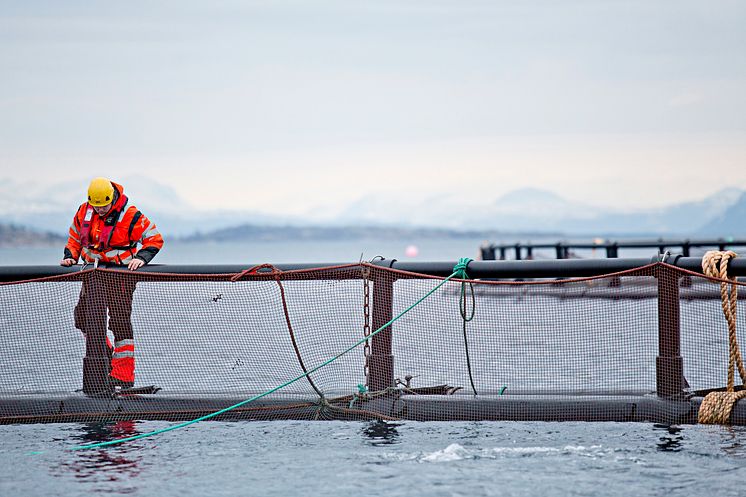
115, 238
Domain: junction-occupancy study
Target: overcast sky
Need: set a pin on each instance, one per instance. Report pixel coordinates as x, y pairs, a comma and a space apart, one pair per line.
286, 105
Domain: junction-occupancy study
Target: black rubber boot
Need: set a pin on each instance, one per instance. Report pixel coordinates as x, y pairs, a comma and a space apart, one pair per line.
115, 382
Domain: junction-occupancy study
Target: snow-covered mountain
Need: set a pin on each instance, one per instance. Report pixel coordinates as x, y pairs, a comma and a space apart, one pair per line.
534, 210
50, 209
730, 222
526, 209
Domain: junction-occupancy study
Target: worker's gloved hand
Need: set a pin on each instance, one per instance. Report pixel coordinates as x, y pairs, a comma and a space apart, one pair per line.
68, 262
135, 264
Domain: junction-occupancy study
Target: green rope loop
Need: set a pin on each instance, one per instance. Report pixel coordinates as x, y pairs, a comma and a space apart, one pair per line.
460, 270
462, 302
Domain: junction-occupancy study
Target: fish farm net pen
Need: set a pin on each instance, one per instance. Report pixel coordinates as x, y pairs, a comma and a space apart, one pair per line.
625, 340
459, 271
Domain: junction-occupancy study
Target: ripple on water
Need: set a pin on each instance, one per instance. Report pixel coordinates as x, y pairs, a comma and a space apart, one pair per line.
376, 458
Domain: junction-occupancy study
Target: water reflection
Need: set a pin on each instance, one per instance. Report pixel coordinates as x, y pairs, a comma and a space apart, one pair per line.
110, 464
381, 433
732, 441
672, 441
471, 431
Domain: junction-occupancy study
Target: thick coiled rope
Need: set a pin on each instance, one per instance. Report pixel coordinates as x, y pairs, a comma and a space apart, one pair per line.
716, 407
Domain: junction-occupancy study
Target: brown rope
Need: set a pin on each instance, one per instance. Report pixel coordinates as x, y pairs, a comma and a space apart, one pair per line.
716, 407
277, 274
292, 335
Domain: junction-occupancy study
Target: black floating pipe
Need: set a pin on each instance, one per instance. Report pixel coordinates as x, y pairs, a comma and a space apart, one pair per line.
547, 268
552, 268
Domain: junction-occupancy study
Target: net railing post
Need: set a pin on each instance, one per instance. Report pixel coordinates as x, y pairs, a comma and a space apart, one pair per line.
96, 360
612, 251
669, 365
381, 361
686, 280
488, 252
559, 249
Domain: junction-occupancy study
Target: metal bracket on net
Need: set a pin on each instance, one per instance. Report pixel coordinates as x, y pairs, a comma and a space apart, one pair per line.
87, 263
382, 259
667, 258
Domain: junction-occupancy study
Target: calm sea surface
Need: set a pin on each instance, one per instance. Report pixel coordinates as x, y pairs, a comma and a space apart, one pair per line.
273, 252
282, 458
306, 251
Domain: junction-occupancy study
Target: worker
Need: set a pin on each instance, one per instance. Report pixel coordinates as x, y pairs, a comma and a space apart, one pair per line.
109, 231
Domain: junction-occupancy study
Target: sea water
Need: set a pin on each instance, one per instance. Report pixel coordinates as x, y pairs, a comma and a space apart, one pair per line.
274, 252
332, 458
320, 251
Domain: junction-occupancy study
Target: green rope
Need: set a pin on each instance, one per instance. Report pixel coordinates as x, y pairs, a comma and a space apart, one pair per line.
361, 390
459, 271
461, 266
462, 302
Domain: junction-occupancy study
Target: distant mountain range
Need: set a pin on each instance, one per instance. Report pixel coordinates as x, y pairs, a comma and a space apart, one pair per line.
34, 213
21, 236
359, 232
539, 210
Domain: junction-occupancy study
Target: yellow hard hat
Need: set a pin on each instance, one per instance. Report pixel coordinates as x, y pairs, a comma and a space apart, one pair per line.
100, 192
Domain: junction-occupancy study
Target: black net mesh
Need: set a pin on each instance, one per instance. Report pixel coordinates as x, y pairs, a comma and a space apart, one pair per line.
595, 349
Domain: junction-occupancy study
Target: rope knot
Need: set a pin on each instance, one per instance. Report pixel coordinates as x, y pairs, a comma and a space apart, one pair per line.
716, 407
715, 263
459, 270
255, 270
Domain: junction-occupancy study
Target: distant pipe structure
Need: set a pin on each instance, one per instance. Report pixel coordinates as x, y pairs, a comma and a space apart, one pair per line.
563, 250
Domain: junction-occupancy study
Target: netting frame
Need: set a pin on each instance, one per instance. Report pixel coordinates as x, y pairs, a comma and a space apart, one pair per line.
671, 402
